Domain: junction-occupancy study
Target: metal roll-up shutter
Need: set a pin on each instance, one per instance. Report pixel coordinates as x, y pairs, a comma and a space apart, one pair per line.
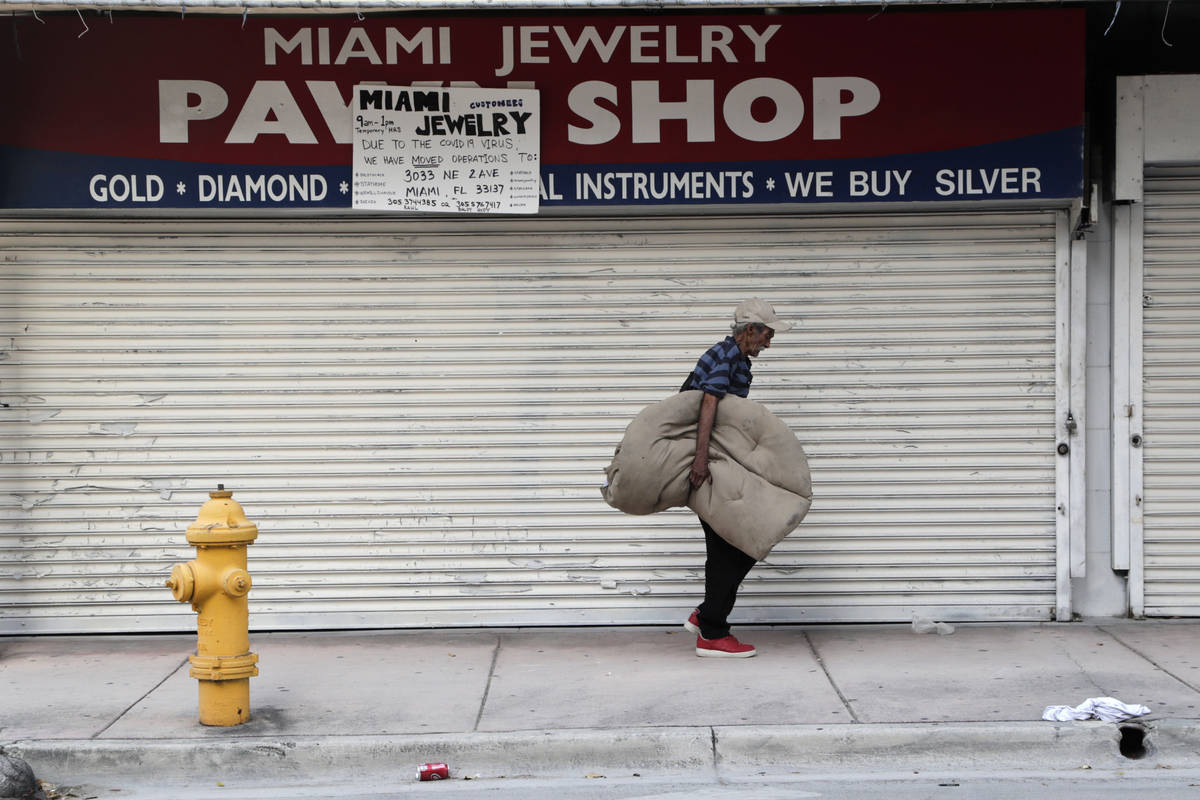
1171, 386
417, 413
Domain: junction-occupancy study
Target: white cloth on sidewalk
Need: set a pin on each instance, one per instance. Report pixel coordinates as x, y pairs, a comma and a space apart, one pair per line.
1106, 709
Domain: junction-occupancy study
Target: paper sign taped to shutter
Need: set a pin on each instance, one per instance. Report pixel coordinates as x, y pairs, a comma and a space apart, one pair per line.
454, 150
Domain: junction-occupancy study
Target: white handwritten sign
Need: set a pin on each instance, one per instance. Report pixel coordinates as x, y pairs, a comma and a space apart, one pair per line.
450, 150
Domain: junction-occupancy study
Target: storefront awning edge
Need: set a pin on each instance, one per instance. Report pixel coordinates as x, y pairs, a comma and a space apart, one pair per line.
349, 6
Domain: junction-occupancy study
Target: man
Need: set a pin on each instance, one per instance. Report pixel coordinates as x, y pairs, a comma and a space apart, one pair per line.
725, 369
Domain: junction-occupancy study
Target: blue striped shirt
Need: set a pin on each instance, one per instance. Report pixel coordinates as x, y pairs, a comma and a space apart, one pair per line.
721, 370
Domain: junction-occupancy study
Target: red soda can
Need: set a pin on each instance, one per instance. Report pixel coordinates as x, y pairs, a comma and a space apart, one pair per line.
432, 772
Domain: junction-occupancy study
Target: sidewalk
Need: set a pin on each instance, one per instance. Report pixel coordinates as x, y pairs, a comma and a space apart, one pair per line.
518, 702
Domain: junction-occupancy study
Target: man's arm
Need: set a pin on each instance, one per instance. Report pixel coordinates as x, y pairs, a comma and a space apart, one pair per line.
708, 413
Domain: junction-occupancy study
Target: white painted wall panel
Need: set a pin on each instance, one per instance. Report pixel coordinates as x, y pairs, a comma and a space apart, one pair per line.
417, 414
1171, 385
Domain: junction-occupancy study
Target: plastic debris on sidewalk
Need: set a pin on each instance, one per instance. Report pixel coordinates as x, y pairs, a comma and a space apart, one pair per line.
1105, 709
923, 625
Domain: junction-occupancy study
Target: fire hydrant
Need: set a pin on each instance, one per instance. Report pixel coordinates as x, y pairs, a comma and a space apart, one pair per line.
216, 584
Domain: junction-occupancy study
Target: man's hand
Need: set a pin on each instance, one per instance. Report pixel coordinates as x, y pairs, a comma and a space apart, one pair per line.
699, 473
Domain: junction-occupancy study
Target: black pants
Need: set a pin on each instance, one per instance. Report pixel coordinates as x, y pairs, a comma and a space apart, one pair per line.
724, 570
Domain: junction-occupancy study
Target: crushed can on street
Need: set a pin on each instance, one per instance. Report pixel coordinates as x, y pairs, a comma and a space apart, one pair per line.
432, 772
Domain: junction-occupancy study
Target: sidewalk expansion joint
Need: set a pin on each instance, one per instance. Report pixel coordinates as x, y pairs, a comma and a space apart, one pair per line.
821, 663
1140, 654
129, 707
1087, 673
487, 688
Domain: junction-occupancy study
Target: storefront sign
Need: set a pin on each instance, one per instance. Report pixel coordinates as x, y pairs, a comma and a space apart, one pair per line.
448, 150
151, 112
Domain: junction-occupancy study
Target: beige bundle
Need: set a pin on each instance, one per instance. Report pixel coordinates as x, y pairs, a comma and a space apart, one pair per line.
760, 488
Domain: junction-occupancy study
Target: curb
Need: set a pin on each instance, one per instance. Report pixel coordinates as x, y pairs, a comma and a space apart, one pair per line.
492, 755
1020, 746
1014, 746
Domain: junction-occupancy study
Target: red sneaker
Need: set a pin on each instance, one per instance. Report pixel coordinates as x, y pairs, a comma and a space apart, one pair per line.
693, 623
725, 647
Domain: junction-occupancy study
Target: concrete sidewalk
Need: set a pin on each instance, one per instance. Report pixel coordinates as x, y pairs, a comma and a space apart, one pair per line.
551, 702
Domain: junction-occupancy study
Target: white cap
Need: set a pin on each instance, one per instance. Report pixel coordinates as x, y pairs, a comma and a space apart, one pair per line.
760, 311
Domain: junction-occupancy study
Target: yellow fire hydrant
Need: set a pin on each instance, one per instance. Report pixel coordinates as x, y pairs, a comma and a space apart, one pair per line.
216, 584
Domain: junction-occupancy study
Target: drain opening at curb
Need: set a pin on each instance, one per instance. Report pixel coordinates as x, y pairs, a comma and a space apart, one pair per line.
1133, 741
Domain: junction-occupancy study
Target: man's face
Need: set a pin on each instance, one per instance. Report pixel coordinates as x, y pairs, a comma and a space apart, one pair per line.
757, 338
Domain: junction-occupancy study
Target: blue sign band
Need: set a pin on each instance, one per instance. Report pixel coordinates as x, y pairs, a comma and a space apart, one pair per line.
1046, 166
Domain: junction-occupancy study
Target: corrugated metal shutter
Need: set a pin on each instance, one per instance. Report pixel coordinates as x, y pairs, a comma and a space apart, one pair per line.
1171, 386
417, 414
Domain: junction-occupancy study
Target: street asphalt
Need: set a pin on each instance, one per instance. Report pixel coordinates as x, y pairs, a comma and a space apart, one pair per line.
613, 701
